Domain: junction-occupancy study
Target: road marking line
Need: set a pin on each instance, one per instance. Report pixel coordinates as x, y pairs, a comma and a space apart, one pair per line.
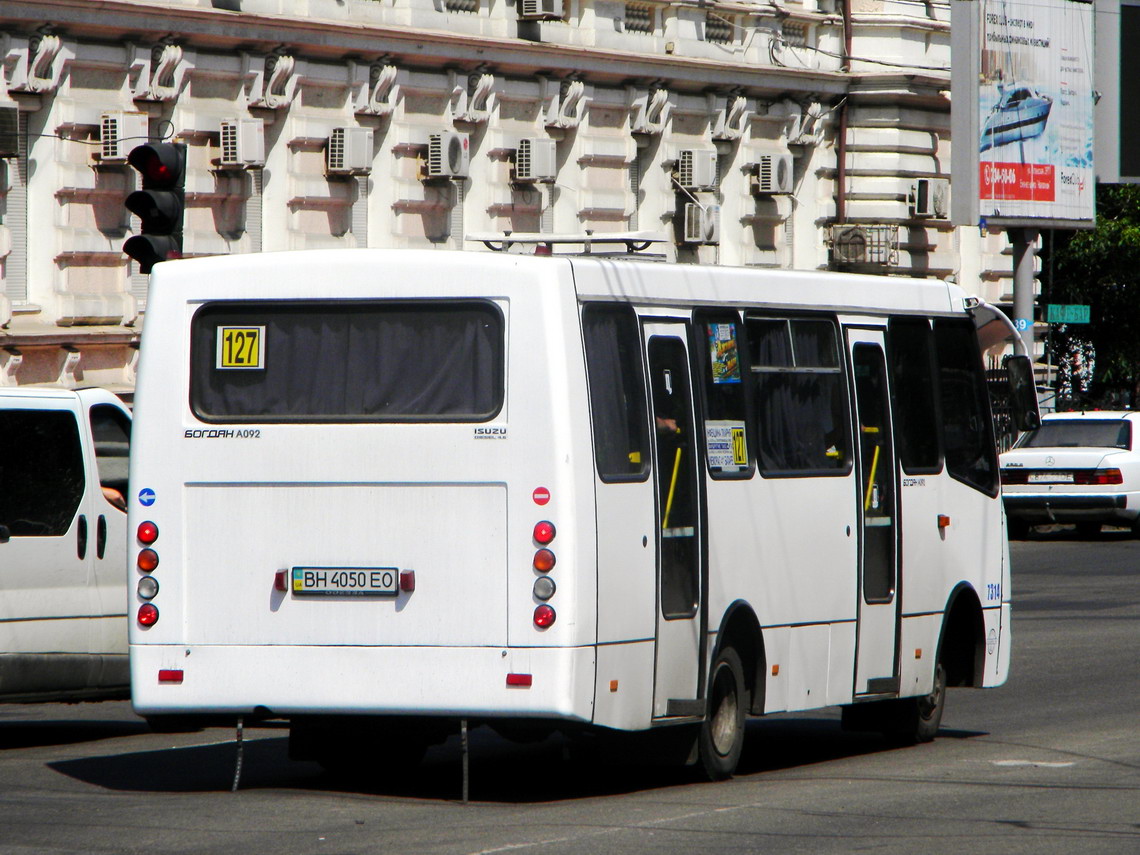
1040, 764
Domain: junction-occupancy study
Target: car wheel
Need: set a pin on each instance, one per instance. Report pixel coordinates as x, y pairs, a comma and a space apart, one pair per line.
722, 732
1018, 529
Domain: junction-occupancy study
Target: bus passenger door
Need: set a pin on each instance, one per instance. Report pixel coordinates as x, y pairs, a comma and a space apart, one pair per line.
680, 536
876, 667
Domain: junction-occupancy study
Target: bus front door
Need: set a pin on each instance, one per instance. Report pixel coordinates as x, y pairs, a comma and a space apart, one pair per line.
876, 667
680, 536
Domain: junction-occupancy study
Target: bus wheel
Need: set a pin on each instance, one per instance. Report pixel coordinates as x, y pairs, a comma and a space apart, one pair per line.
920, 717
722, 732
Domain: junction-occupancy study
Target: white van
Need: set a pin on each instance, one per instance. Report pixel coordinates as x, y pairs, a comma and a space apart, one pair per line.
392, 490
63, 484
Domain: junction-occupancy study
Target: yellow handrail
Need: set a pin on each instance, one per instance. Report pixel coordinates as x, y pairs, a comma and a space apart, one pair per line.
672, 488
871, 480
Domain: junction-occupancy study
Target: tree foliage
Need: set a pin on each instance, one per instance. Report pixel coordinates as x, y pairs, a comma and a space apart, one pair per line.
1101, 267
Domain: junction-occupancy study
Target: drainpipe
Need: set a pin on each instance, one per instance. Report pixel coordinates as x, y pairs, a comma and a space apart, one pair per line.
841, 151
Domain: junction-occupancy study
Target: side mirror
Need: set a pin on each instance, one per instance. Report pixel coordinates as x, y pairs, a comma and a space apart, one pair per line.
1022, 393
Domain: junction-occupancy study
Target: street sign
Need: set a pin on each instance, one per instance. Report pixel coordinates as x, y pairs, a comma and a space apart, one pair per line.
1057, 313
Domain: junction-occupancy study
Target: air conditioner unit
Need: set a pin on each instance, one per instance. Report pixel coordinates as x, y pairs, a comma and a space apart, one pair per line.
696, 169
449, 155
702, 225
349, 151
930, 198
243, 142
773, 175
536, 159
119, 132
540, 10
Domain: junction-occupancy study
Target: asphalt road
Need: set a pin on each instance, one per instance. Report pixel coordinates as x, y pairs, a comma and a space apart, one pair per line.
1050, 763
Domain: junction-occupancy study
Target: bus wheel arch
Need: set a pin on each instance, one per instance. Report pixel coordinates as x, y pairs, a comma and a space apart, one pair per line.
740, 629
962, 644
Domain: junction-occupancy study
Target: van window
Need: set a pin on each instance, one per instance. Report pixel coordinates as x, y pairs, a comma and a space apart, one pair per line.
800, 397
971, 454
347, 361
41, 472
617, 392
111, 431
723, 371
911, 352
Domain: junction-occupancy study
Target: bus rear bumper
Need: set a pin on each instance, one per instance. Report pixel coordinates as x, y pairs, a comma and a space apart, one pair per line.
285, 681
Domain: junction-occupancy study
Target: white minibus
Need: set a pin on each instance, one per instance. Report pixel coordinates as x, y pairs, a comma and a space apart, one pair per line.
377, 492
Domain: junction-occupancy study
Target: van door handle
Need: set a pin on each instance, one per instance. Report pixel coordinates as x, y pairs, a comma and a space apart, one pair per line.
100, 537
81, 544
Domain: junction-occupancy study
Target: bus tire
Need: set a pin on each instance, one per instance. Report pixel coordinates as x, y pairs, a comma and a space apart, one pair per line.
922, 716
721, 738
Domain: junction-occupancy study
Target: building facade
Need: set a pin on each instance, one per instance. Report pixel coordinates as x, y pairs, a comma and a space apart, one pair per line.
806, 134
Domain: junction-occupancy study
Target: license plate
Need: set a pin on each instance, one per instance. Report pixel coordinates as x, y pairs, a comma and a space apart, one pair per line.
1051, 477
346, 581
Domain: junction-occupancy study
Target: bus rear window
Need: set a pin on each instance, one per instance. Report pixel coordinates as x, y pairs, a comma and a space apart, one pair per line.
418, 361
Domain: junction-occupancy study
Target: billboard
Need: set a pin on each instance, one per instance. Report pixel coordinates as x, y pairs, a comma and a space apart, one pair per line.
1022, 123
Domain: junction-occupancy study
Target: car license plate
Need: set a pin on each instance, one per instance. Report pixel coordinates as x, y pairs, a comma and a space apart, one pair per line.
1050, 477
346, 581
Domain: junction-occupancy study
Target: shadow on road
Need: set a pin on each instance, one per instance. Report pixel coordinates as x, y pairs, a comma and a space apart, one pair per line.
24, 734
500, 771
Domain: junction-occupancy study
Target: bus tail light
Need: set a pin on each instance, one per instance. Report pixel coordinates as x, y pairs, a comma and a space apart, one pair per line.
544, 561
544, 532
523, 680
147, 560
544, 616
147, 533
170, 675
544, 588
407, 581
148, 614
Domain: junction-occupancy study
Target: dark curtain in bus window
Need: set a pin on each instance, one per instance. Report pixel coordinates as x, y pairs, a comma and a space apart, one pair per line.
967, 427
428, 361
41, 472
800, 397
910, 345
617, 392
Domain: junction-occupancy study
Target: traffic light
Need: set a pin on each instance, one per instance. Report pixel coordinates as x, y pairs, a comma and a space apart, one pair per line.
159, 204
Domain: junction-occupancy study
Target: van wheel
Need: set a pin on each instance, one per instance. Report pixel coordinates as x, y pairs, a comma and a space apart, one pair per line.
722, 732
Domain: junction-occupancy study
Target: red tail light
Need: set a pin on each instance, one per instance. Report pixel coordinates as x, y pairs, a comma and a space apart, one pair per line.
148, 532
148, 614
1098, 477
544, 616
544, 532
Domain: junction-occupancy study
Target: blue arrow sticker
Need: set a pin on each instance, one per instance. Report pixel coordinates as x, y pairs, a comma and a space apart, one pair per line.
146, 497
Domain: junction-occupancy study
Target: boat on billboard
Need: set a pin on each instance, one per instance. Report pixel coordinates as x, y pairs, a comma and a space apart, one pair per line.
1036, 105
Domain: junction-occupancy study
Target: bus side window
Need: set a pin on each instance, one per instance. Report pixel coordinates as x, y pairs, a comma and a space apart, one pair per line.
971, 453
800, 397
723, 371
618, 405
910, 347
